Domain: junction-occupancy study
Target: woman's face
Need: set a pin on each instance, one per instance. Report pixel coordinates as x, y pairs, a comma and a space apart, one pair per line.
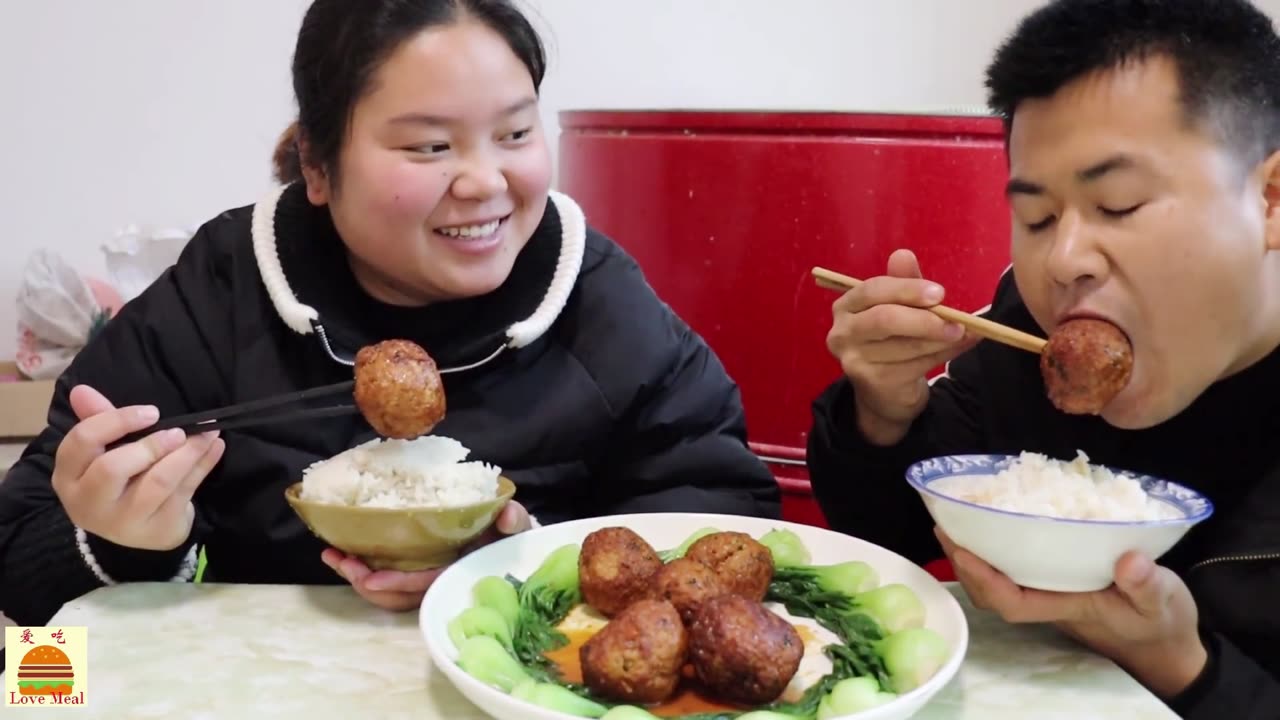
444, 173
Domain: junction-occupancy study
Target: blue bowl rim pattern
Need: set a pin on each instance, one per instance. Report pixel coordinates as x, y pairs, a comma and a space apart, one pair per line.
923, 472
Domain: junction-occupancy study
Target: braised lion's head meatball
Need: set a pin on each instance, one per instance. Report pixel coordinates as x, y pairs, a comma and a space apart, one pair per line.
686, 584
638, 657
744, 566
398, 389
743, 652
1086, 363
616, 568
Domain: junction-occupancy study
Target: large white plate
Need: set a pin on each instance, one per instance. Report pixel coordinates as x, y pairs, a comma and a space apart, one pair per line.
520, 555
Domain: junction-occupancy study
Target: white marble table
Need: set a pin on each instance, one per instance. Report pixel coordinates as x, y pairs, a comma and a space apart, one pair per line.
172, 650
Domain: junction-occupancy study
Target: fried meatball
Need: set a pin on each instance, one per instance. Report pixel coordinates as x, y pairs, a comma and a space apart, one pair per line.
1086, 363
637, 658
686, 584
616, 568
398, 389
744, 566
742, 652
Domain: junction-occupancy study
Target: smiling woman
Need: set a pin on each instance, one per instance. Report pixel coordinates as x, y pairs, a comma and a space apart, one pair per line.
438, 185
415, 204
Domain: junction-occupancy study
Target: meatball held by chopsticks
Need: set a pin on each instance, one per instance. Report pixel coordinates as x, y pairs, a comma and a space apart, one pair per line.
398, 389
1086, 363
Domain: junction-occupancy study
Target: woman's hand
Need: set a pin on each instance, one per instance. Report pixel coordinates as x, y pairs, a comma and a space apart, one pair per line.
137, 495
400, 591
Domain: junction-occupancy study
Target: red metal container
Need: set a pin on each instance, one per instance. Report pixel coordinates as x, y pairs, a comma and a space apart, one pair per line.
727, 212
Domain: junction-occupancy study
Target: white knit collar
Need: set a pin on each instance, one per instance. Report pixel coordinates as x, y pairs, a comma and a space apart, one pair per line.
304, 319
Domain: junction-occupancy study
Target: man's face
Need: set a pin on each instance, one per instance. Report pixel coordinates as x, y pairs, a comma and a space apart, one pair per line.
1125, 211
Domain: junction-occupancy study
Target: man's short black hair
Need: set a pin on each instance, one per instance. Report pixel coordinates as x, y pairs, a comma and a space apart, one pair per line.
1226, 52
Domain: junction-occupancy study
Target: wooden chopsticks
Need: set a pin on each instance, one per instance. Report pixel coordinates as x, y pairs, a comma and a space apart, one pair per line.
244, 415
981, 327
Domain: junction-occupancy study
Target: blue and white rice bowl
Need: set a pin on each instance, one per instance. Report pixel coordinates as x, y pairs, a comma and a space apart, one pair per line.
1062, 531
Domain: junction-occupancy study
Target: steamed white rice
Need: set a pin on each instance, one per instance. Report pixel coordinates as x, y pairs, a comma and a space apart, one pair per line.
424, 472
1038, 485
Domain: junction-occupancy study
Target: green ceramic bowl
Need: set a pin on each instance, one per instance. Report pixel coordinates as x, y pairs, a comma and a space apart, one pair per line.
405, 539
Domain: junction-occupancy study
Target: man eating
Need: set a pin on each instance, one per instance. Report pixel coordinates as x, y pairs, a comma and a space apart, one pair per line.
1143, 141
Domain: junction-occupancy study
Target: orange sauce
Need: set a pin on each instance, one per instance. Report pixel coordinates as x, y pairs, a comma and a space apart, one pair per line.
689, 698
567, 659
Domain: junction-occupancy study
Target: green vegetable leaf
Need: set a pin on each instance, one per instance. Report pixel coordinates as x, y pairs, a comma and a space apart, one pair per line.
545, 598
498, 594
628, 712
484, 658
894, 606
557, 698
912, 656
541, 611
480, 620
803, 592
786, 547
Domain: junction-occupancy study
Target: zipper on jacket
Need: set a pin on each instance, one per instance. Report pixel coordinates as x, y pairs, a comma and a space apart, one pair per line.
1233, 559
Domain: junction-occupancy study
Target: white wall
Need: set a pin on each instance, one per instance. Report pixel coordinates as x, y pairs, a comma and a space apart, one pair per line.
164, 112
818, 54
132, 111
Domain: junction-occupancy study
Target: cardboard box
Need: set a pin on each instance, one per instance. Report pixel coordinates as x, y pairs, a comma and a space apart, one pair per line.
24, 404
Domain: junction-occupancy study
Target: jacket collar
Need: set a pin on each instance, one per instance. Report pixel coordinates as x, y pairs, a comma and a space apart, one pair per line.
303, 265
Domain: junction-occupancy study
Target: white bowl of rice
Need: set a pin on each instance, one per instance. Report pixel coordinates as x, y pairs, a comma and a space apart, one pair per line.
401, 504
1050, 524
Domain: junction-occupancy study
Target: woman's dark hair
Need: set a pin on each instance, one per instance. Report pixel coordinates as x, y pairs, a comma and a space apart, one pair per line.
343, 42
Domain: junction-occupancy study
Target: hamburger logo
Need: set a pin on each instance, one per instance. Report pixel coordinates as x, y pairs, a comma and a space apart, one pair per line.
45, 670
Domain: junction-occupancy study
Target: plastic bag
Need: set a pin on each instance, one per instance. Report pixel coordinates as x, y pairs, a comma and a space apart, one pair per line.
137, 256
58, 313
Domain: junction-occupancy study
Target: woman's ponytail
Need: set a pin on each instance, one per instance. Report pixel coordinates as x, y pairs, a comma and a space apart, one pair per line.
287, 159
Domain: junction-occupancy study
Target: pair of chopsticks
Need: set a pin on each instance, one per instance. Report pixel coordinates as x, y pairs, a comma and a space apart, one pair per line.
245, 415
981, 327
